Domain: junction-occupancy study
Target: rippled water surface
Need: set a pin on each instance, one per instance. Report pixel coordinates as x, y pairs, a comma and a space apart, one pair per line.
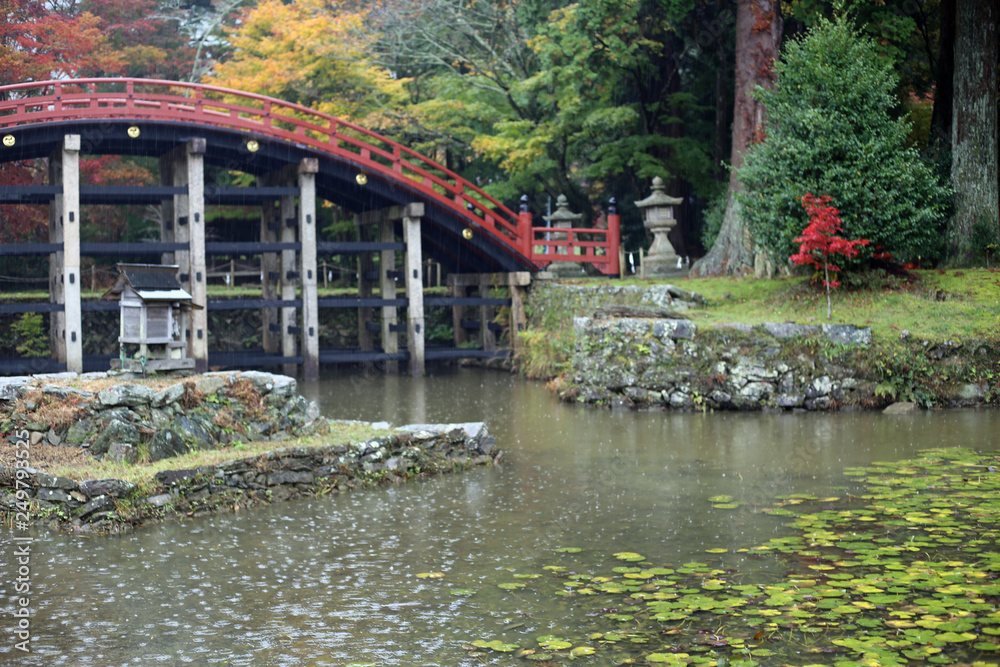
332, 581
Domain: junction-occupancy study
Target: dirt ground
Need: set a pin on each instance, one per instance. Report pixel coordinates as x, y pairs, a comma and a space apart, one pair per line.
42, 457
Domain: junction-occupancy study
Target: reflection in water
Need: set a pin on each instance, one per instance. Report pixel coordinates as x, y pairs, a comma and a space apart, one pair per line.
332, 581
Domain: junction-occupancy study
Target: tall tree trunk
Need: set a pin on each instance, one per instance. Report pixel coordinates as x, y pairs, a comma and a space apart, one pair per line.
941, 117
758, 37
974, 125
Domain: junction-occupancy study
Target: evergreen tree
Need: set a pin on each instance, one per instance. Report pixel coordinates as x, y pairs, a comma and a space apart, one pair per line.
830, 131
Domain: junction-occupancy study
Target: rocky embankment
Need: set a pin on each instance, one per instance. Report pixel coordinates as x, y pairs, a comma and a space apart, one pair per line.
111, 415
127, 422
637, 348
639, 362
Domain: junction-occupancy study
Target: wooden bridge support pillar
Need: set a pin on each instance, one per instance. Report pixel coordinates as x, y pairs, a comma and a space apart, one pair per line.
487, 336
365, 289
189, 227
57, 291
415, 329
66, 328
483, 283
387, 287
269, 272
167, 208
458, 291
307, 269
289, 276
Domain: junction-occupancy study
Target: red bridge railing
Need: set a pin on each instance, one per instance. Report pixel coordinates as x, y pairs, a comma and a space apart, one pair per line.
258, 115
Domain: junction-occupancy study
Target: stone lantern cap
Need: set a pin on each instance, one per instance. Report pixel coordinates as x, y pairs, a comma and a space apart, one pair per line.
563, 214
659, 197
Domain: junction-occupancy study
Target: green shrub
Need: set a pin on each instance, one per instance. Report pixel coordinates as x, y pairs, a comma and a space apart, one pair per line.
31, 338
829, 130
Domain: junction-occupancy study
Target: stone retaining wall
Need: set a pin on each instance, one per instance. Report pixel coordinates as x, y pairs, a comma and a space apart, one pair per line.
110, 505
671, 363
128, 420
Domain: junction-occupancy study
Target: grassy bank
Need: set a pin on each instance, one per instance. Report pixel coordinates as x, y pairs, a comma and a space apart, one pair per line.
74, 463
935, 305
907, 315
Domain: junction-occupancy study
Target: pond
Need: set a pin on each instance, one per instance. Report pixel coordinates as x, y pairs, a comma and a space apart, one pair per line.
410, 574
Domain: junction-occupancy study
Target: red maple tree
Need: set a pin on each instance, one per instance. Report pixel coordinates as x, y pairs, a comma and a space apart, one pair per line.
819, 242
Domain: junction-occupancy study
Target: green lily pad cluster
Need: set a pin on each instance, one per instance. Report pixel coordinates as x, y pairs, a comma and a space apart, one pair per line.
906, 573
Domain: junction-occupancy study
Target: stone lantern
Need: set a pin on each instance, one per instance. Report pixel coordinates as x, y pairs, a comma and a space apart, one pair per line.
563, 218
658, 217
155, 315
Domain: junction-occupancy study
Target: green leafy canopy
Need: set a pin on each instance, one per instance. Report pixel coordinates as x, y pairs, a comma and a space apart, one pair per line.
830, 131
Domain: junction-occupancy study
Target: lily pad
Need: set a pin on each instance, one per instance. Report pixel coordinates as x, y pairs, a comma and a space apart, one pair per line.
629, 556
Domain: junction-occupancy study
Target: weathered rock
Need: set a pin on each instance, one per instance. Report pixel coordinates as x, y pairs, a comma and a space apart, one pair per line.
8, 501
121, 451
720, 398
173, 477
115, 431
160, 499
65, 391
12, 388
821, 386
57, 496
789, 330
289, 477
95, 505
820, 403
267, 383
671, 296
51, 481
115, 488
973, 392
847, 334
753, 370
680, 399
736, 326
193, 432
674, 329
790, 400
166, 444
756, 391
901, 408
209, 384
641, 396
397, 463
129, 395
623, 310
167, 395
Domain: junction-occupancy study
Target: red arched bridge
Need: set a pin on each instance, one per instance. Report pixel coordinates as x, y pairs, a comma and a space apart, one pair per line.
297, 156
358, 169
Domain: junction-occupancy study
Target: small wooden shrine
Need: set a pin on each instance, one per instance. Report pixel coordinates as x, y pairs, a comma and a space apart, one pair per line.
155, 318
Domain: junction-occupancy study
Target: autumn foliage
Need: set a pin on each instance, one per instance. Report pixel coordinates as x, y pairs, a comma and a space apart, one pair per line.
820, 244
